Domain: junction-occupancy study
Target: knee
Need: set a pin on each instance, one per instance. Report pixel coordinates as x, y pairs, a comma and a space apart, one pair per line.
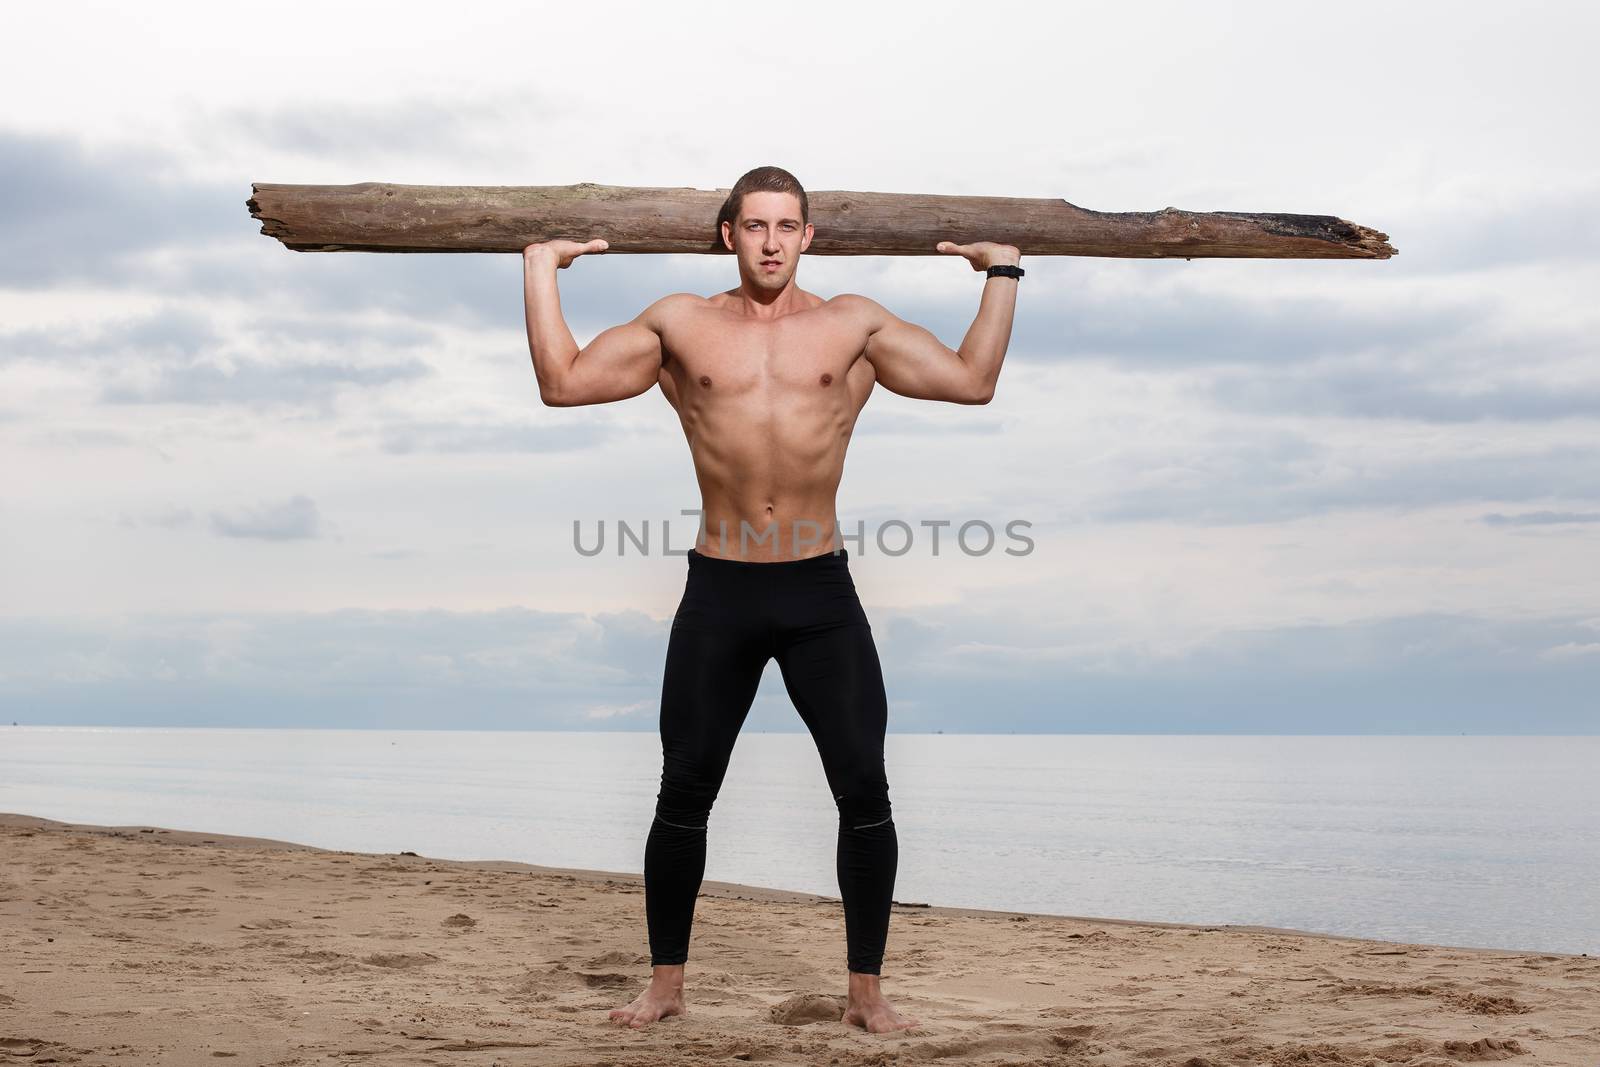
688, 791
863, 802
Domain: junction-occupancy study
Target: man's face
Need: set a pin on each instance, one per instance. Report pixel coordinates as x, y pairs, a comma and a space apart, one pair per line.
768, 238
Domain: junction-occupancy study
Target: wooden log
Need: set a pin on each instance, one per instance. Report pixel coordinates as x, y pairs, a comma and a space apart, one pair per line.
380, 217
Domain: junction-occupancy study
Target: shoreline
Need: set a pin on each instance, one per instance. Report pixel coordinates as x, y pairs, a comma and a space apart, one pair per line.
148, 945
711, 888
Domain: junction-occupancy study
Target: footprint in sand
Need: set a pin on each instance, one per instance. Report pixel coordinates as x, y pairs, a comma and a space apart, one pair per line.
400, 959
999, 1040
1484, 1048
609, 980
803, 1008
616, 958
22, 1047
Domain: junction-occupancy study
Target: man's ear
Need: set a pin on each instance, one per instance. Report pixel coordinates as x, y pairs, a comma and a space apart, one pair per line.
726, 228
805, 242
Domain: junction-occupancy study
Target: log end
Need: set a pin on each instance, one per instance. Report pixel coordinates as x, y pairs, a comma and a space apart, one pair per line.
1375, 243
1325, 236
261, 212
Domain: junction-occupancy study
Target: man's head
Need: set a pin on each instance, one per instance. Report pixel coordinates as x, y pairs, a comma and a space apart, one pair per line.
766, 224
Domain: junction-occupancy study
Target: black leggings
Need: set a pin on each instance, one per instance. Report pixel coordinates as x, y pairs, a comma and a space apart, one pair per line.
735, 615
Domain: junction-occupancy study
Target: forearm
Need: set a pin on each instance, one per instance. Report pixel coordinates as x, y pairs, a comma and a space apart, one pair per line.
550, 341
985, 345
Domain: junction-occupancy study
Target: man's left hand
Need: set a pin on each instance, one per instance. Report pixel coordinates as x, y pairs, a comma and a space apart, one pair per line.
982, 254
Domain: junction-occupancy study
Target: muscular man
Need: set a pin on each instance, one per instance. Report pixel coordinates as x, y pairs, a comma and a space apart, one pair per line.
767, 380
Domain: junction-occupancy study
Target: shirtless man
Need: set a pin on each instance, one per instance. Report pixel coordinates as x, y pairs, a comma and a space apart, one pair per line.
767, 380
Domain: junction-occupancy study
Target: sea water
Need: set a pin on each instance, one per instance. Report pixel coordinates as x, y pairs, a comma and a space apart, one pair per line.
1481, 841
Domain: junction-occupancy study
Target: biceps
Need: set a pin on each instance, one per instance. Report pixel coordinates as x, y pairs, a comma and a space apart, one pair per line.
620, 362
911, 361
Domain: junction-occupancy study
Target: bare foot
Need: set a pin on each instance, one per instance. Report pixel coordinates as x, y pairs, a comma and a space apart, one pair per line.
663, 997
870, 1010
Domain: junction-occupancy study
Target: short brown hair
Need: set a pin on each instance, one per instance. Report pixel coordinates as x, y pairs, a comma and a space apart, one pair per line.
761, 180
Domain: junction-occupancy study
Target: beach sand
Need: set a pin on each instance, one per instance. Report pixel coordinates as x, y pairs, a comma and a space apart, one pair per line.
135, 945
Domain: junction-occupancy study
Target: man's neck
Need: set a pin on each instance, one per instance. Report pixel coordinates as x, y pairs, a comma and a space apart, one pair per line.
761, 304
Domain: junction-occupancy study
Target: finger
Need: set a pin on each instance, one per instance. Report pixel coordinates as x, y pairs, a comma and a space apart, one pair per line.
949, 246
599, 244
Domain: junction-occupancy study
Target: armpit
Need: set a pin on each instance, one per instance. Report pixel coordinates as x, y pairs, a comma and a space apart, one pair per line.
669, 388
860, 378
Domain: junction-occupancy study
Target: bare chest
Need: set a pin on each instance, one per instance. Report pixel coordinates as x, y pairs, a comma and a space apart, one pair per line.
715, 357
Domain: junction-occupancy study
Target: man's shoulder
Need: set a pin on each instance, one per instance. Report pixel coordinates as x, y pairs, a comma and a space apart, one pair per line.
673, 306
855, 305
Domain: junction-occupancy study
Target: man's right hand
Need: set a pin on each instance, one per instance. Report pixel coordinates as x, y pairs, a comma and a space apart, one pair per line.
560, 252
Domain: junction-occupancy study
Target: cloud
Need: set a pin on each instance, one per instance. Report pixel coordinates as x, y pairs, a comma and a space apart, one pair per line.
76, 437
171, 333
613, 711
1493, 226
285, 328
168, 518
504, 669
1424, 673
947, 668
337, 133
1571, 650
294, 519
1241, 477
73, 213
1391, 392
460, 437
876, 421
257, 383
177, 356
1186, 328
175, 334
1541, 518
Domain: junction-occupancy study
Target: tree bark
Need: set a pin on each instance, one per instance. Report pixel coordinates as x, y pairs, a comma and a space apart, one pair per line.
380, 217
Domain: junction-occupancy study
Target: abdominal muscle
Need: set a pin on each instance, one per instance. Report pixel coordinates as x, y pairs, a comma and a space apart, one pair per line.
768, 487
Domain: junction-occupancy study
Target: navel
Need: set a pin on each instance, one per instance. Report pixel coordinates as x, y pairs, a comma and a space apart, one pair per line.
827, 379
705, 380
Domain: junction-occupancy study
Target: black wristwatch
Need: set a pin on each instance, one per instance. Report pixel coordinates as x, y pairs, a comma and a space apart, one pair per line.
1005, 270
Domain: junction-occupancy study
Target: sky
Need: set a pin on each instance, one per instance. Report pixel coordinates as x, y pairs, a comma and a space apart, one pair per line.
248, 486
